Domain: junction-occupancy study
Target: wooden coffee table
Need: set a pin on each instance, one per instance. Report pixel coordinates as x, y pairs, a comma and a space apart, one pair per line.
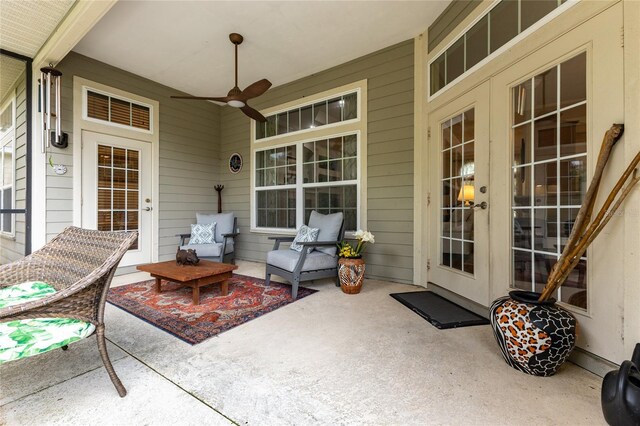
204, 273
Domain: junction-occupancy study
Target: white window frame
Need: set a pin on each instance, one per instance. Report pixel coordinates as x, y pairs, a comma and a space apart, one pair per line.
10, 134
587, 154
311, 129
85, 112
356, 126
491, 56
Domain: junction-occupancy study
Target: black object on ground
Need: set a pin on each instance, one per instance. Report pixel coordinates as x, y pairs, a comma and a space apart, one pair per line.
440, 312
621, 393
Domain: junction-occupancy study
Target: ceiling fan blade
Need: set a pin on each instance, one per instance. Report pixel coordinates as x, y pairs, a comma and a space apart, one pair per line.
256, 89
252, 113
204, 98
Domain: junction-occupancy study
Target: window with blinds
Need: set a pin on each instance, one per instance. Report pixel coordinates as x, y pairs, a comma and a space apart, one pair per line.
117, 111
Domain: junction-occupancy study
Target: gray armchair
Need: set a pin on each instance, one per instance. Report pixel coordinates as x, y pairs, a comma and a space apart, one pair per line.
223, 249
308, 265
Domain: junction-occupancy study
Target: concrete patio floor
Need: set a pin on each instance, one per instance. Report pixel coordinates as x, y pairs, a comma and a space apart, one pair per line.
328, 359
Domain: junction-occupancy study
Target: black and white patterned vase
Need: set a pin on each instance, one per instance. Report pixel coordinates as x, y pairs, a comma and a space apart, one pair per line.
534, 337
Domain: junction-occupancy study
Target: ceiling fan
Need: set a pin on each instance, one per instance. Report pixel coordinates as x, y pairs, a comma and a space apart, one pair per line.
238, 98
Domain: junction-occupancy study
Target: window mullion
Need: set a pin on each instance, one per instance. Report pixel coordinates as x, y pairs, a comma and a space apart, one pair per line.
299, 189
331, 195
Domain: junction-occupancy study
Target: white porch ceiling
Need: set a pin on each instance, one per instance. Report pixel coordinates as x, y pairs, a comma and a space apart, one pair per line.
185, 44
10, 70
24, 27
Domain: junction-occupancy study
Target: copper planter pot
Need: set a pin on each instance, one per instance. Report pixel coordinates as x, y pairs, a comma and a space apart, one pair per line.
351, 274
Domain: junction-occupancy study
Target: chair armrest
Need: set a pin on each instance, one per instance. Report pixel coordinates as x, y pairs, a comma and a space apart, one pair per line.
25, 269
231, 235
281, 239
65, 302
183, 237
319, 243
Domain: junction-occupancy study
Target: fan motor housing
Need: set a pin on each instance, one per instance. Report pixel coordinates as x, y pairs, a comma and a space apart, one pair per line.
236, 38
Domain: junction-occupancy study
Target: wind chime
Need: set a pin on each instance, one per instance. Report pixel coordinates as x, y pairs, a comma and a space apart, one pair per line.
50, 101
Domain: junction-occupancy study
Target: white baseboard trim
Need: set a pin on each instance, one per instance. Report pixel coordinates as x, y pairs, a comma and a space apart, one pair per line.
592, 362
129, 278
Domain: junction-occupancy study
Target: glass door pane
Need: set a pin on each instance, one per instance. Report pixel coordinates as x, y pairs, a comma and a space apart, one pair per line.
548, 175
457, 195
118, 189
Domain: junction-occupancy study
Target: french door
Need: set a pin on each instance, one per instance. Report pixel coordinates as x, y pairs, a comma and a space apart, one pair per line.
549, 114
459, 201
116, 190
549, 111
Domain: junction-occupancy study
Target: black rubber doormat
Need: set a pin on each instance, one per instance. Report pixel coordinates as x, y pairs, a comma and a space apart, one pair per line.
440, 312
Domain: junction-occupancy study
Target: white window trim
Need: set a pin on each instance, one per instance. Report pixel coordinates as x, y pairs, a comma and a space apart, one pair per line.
10, 133
307, 103
587, 155
85, 113
356, 126
524, 34
100, 126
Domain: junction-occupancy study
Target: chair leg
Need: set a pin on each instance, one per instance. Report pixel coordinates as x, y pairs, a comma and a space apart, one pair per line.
65, 347
102, 347
267, 280
294, 288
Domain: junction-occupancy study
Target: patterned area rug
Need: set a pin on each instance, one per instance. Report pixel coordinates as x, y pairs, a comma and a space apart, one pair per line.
173, 311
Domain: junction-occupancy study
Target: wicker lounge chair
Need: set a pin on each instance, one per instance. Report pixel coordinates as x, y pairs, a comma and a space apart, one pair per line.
79, 264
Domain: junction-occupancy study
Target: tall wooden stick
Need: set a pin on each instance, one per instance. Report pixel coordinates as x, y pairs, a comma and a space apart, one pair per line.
574, 259
586, 230
555, 279
584, 214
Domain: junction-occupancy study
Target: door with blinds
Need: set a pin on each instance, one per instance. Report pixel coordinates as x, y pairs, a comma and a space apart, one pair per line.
116, 190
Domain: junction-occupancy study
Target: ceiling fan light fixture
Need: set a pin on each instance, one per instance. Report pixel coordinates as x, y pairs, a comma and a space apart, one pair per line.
237, 98
236, 103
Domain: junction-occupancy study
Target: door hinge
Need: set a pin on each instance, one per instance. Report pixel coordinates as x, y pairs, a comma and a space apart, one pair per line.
622, 36
428, 264
429, 133
428, 198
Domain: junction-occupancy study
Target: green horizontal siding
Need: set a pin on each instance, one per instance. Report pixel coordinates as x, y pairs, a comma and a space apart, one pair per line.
189, 152
389, 74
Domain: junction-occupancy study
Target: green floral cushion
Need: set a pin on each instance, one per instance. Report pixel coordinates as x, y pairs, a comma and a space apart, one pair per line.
24, 338
24, 292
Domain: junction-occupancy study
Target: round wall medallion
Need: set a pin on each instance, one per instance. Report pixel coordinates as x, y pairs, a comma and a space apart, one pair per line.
235, 162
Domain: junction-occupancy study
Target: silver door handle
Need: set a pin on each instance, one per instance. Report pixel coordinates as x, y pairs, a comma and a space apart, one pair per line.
483, 205
148, 209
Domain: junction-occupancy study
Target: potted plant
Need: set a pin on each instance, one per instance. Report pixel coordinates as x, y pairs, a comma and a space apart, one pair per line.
351, 266
534, 334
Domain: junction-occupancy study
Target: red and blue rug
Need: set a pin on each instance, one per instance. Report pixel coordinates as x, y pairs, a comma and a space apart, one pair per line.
173, 310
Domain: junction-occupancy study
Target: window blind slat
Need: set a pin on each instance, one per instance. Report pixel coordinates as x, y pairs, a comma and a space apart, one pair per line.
114, 110
140, 117
98, 106
120, 112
